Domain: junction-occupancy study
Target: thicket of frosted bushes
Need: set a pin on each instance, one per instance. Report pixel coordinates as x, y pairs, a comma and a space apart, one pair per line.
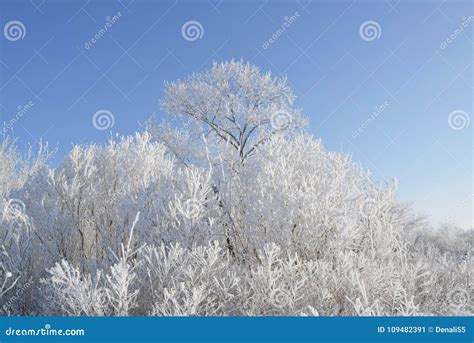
241, 213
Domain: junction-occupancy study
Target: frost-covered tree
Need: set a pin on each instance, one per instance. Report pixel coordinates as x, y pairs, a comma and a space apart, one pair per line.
272, 184
19, 259
236, 104
230, 112
238, 215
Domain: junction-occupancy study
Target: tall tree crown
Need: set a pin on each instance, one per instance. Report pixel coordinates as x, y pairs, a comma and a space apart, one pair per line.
236, 103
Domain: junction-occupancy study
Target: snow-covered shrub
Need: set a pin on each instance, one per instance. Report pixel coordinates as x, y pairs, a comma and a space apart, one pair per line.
241, 213
73, 292
201, 281
18, 235
77, 293
311, 201
87, 204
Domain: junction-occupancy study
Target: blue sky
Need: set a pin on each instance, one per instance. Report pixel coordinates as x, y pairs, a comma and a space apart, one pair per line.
386, 98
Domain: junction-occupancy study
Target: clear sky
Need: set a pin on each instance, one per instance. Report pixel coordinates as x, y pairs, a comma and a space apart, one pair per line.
378, 79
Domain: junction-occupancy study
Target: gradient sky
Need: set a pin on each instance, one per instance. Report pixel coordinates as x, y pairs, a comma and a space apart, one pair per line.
409, 72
